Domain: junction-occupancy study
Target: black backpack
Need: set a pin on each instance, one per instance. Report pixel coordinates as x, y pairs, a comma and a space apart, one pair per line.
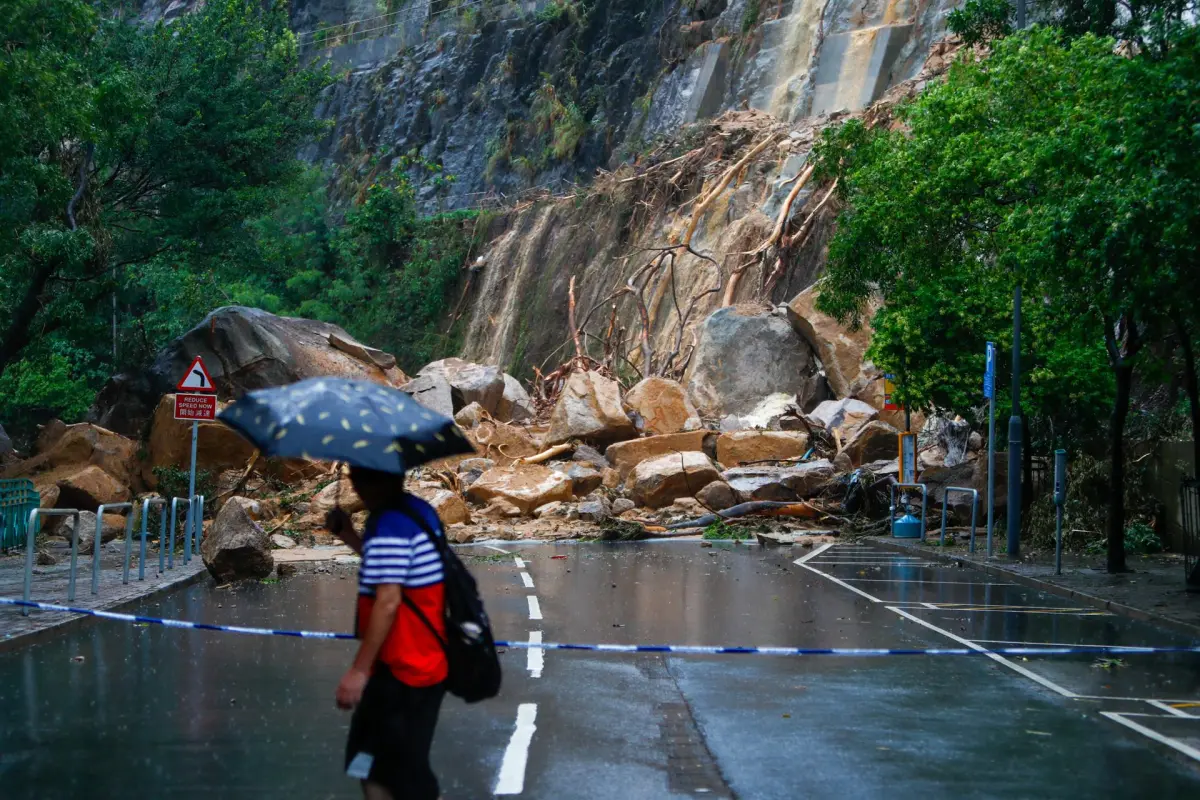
469, 645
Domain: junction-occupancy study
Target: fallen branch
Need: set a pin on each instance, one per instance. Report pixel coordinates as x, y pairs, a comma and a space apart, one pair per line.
708, 199
545, 455
571, 319
771, 508
798, 238
237, 487
786, 211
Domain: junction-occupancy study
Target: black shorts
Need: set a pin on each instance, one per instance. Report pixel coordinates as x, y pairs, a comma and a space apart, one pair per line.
393, 725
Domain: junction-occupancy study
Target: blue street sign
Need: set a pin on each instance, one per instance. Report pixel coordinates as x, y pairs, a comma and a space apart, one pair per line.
989, 373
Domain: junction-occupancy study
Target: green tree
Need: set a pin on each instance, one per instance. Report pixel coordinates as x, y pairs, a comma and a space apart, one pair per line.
127, 152
1061, 165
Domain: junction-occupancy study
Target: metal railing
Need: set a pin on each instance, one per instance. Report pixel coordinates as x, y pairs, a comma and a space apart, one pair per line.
974, 509
17, 499
1189, 512
924, 504
166, 551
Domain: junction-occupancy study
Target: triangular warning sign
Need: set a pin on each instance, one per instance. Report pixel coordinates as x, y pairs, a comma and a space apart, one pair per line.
196, 379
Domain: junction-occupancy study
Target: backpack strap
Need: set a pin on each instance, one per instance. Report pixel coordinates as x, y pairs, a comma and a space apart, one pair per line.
404, 598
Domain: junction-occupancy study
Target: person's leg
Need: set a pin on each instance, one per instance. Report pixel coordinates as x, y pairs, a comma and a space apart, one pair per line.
375, 791
406, 735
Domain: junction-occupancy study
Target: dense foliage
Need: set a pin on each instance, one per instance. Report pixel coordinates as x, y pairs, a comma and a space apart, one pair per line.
1058, 163
149, 175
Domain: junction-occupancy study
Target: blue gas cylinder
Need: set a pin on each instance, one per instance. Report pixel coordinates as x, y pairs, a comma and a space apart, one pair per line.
906, 527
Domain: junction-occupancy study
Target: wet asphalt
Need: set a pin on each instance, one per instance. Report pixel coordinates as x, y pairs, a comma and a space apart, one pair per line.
114, 710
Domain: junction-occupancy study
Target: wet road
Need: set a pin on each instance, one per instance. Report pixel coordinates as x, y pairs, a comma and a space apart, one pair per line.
113, 710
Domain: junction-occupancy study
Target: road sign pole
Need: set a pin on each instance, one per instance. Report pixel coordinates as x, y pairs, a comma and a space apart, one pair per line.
193, 525
1015, 436
989, 391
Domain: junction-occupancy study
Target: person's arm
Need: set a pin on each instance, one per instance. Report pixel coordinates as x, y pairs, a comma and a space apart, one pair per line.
383, 614
338, 523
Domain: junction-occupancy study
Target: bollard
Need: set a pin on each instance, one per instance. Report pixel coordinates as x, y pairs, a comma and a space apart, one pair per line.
31, 546
149, 501
171, 544
96, 542
198, 522
1060, 498
974, 506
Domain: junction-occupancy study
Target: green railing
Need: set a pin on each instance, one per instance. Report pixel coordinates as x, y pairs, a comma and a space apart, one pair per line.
17, 499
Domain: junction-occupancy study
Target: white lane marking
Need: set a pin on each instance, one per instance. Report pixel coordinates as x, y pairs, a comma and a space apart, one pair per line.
1124, 719
535, 656
930, 605
1175, 712
921, 564
816, 551
838, 581
917, 580
520, 562
1033, 676
499, 549
516, 755
1133, 699
535, 610
527, 579
1056, 644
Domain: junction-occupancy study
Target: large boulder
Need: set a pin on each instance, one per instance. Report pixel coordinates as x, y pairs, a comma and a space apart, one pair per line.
89, 488
515, 404
717, 496
112, 526
450, 507
78, 446
341, 494
874, 441
243, 349
525, 486
768, 415
661, 481
842, 350
746, 352
842, 418
468, 382
501, 442
624, 456
432, 391
779, 483
960, 476
7, 452
218, 447
589, 408
585, 478
742, 447
236, 547
659, 406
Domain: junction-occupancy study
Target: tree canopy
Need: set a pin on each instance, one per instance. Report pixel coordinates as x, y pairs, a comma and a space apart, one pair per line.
1057, 162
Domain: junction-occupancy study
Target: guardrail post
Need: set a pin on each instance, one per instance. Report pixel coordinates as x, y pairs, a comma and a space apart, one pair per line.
31, 545
150, 501
99, 529
174, 525
974, 509
198, 522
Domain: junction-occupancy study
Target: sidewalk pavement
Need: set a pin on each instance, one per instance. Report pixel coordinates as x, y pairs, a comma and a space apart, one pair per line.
1154, 591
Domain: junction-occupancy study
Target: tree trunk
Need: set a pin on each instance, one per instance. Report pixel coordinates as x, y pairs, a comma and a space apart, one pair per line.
1116, 487
17, 335
1193, 391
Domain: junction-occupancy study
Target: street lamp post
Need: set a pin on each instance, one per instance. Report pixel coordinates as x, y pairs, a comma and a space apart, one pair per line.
1014, 422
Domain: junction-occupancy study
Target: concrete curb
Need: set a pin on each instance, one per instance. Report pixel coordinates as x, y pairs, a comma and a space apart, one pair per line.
1053, 588
24, 639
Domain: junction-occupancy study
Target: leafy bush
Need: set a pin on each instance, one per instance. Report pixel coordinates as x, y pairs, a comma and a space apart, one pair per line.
981, 21
723, 530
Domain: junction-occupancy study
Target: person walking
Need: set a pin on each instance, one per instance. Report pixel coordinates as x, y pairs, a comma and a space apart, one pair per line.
396, 683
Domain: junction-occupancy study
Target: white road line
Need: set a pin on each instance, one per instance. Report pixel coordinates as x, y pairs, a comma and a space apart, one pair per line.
930, 605
1134, 699
1124, 719
1051, 644
527, 579
1175, 712
499, 549
520, 562
535, 610
816, 551
922, 564
516, 755
917, 580
535, 657
838, 581
1033, 676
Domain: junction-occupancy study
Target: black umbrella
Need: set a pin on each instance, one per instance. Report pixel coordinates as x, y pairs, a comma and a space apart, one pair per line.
360, 423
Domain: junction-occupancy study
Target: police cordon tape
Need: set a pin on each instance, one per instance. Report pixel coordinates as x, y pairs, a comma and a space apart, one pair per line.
626, 648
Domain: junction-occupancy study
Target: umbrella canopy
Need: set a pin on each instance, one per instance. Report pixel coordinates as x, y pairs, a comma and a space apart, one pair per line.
360, 423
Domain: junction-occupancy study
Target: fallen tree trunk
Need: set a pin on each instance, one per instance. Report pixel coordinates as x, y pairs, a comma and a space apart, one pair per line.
772, 508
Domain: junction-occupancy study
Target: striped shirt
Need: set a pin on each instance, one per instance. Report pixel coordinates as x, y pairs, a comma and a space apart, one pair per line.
398, 551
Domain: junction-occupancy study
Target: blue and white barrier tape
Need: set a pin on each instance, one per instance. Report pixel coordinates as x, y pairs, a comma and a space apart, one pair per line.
630, 648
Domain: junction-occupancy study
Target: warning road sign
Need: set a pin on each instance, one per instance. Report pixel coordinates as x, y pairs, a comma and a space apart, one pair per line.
196, 407
196, 379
